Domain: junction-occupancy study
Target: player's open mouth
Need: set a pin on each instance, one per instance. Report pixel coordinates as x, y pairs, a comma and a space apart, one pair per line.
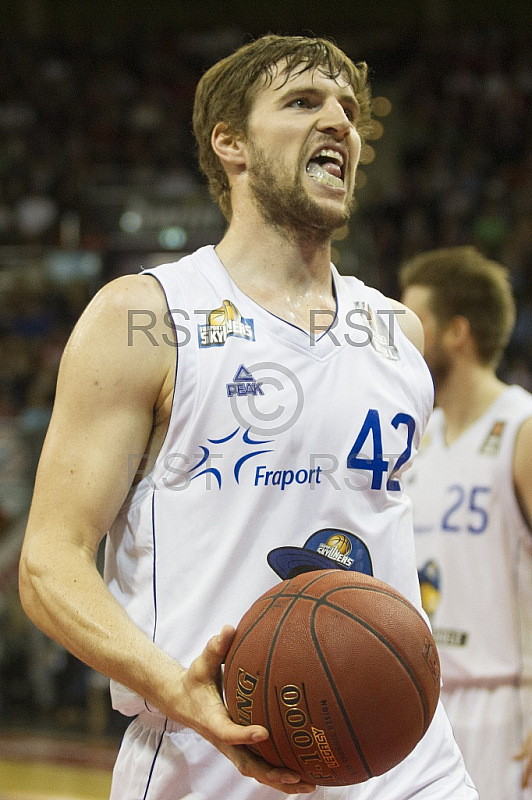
327, 167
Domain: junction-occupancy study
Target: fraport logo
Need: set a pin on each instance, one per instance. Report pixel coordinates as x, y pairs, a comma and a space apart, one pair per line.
243, 384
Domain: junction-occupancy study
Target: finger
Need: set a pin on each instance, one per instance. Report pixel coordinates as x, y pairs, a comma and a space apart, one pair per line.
217, 649
206, 669
220, 644
233, 734
225, 639
289, 782
207, 665
280, 778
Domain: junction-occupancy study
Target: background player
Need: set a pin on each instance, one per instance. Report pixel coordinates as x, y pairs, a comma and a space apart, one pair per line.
279, 126
472, 493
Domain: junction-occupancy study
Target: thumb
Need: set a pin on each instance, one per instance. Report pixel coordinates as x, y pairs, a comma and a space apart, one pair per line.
206, 667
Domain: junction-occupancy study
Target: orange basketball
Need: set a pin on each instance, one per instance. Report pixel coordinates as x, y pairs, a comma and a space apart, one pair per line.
341, 669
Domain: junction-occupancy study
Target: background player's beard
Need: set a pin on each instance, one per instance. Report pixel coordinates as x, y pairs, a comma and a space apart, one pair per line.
440, 364
284, 204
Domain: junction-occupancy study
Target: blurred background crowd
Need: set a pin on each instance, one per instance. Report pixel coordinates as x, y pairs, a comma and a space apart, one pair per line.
98, 177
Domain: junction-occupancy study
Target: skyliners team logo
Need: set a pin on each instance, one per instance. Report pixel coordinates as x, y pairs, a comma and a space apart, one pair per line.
492, 443
223, 322
328, 548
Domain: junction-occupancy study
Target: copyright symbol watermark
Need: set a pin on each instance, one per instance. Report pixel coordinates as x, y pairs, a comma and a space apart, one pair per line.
272, 412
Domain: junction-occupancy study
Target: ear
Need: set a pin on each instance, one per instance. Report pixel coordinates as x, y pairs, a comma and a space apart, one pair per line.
229, 147
458, 331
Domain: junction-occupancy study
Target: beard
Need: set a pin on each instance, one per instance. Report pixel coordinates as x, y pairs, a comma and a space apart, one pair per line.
284, 203
439, 364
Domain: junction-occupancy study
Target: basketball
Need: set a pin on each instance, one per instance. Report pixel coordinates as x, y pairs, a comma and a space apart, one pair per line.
340, 668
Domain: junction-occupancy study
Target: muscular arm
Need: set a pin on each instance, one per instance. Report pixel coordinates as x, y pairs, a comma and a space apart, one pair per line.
110, 394
103, 412
522, 475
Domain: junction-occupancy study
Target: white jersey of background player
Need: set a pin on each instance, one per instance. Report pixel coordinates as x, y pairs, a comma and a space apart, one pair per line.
471, 488
225, 506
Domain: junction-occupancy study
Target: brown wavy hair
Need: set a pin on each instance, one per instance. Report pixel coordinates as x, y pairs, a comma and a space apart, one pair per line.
464, 283
227, 90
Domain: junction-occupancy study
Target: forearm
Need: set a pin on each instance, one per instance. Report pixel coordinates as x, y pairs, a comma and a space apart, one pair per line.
65, 596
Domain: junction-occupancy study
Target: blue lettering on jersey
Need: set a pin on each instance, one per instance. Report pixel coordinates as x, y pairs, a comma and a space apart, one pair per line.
468, 509
286, 477
378, 466
243, 384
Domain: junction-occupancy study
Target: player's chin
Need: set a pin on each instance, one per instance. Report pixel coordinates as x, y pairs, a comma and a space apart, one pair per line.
333, 215
334, 202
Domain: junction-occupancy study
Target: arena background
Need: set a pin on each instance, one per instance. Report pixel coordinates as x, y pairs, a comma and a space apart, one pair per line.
98, 177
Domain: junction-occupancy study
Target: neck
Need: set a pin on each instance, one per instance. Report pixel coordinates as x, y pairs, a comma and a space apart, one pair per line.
277, 269
467, 392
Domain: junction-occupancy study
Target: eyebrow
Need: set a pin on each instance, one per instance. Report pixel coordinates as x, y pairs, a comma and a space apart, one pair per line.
310, 88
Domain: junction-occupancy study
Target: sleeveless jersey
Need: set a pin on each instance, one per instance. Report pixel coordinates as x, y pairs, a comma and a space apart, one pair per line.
474, 549
285, 452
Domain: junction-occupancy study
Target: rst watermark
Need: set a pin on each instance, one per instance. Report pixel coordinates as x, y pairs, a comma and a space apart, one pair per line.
366, 327
267, 398
179, 471
361, 318
284, 392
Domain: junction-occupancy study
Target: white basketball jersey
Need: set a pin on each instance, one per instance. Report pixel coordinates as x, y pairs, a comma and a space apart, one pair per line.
474, 550
285, 452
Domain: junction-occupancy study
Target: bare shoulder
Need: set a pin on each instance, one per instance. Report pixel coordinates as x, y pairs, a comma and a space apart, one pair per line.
522, 469
128, 296
410, 324
111, 395
523, 448
128, 315
122, 343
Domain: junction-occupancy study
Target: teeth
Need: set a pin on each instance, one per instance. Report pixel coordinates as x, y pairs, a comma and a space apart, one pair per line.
321, 175
330, 154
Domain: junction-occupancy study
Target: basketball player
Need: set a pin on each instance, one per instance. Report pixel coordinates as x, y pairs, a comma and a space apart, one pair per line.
219, 414
472, 493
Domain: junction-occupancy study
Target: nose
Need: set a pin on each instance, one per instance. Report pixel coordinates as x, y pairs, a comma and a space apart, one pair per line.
333, 119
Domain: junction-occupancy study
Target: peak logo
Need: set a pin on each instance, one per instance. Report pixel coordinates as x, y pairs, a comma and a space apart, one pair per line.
243, 384
223, 322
